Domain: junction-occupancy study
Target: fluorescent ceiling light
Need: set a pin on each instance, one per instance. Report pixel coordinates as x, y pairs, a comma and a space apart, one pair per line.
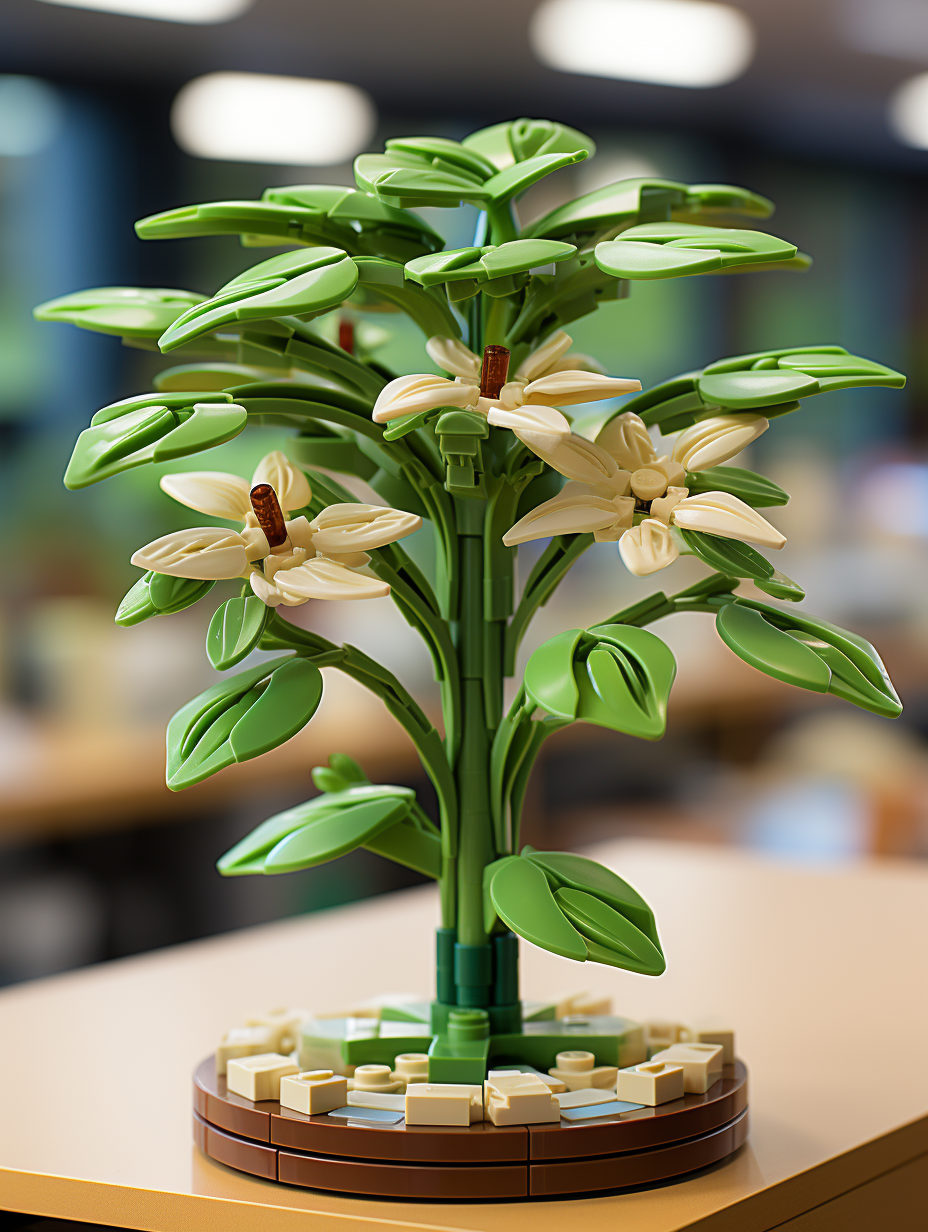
290, 121
908, 112
665, 42
30, 116
193, 12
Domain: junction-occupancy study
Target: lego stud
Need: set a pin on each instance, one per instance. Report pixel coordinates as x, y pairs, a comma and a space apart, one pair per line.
495, 370
648, 484
575, 1062
268, 512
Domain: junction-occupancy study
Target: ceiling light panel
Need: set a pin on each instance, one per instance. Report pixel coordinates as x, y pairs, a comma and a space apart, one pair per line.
192, 12
664, 42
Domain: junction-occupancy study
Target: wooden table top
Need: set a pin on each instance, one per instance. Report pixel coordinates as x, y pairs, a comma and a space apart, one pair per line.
820, 972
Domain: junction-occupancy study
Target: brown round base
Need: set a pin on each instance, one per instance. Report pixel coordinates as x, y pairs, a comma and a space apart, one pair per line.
479, 1163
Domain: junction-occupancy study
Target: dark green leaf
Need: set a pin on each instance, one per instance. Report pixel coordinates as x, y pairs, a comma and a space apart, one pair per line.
755, 490
235, 630
728, 555
579, 873
241, 718
327, 838
327, 779
521, 897
779, 586
303, 283
128, 312
347, 767
139, 602
598, 922
151, 429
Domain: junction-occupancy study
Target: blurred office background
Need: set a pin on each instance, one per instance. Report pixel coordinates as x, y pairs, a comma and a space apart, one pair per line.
822, 106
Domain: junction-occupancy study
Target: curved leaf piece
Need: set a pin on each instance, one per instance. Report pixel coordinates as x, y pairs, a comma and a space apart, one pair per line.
241, 718
598, 922
328, 837
549, 678
564, 869
667, 250
755, 490
235, 630
515, 180
247, 856
517, 140
304, 283
156, 594
386, 281
521, 896
127, 312
729, 556
626, 681
491, 261
152, 428
823, 657
414, 178
726, 199
442, 149
779, 586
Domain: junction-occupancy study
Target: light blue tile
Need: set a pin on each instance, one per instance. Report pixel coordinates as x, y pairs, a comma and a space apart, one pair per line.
598, 1110
356, 1113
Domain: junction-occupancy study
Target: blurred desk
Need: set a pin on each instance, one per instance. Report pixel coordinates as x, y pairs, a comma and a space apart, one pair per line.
821, 973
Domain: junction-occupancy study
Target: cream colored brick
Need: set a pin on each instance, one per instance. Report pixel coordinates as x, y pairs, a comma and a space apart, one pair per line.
258, 1077
702, 1064
585, 1003
443, 1103
312, 1092
655, 1082
578, 1070
375, 1078
411, 1067
284, 1026
661, 1035
374, 1099
242, 1042
520, 1100
555, 1084
584, 1098
722, 1036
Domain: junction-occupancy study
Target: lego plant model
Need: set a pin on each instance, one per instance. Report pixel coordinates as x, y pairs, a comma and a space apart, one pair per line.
481, 450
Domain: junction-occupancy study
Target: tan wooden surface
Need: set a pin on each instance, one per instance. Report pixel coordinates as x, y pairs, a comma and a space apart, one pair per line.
822, 974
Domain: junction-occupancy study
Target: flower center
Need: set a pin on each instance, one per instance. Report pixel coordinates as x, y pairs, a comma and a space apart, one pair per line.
495, 370
269, 514
648, 484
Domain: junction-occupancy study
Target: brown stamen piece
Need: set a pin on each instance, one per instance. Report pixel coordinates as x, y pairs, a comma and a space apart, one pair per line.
268, 512
495, 370
346, 335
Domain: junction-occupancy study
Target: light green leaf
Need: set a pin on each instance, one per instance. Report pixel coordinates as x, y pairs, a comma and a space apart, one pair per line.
516, 180
235, 630
386, 281
686, 248
128, 312
771, 650
335, 835
172, 595
303, 283
241, 718
598, 922
442, 149
520, 895
578, 873
549, 675
626, 681
779, 586
738, 391
152, 428
491, 261
640, 260
517, 140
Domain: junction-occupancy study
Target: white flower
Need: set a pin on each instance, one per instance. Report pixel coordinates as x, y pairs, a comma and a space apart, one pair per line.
620, 477
545, 380
320, 559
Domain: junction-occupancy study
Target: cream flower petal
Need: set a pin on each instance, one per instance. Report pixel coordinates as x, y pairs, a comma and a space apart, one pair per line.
664, 506
266, 591
672, 471
212, 492
357, 528
300, 534
572, 514
287, 480
568, 388
326, 579
543, 420
206, 553
453, 356
720, 513
580, 459
713, 441
421, 392
626, 437
543, 358
648, 547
